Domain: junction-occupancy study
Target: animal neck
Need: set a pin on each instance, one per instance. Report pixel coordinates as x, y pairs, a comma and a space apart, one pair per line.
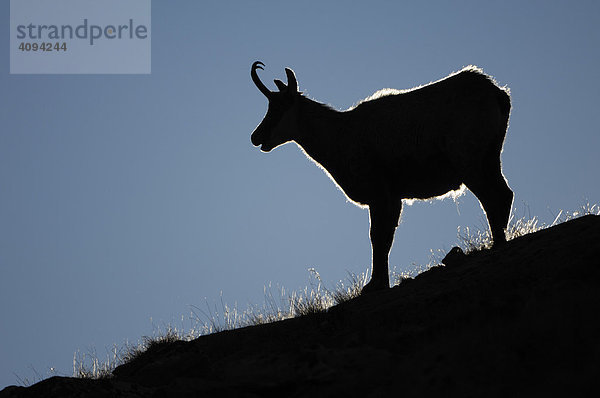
319, 129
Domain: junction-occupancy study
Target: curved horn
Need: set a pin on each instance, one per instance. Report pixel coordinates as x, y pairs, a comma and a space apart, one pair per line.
263, 89
292, 83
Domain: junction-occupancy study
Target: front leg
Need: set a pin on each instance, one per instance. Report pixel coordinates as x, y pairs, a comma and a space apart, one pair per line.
384, 217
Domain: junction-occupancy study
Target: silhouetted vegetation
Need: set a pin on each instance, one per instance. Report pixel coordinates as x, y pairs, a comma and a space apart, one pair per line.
314, 299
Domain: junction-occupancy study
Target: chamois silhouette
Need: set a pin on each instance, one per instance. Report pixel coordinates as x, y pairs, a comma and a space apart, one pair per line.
400, 144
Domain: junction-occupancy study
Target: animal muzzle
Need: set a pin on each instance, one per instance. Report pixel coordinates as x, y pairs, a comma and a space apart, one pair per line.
256, 139
260, 139
259, 135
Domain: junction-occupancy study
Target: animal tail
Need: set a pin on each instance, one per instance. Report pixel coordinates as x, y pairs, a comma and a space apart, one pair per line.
504, 103
504, 107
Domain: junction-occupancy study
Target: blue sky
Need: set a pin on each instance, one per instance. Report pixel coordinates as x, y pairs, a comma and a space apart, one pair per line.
124, 199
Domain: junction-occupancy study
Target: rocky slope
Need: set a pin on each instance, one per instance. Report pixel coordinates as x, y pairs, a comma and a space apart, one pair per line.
519, 320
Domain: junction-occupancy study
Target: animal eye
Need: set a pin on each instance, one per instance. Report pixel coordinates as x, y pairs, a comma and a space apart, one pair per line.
283, 105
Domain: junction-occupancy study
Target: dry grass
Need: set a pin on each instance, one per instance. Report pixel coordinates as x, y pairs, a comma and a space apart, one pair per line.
315, 298
475, 240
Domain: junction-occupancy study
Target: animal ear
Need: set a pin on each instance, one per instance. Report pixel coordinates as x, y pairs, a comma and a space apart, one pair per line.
292, 83
280, 85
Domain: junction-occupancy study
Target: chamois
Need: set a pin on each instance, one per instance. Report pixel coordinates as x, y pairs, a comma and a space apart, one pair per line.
400, 144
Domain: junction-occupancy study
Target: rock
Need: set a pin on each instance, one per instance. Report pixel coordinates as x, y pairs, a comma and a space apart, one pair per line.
519, 320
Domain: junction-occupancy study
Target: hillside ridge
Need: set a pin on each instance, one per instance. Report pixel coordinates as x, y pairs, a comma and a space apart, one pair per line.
516, 320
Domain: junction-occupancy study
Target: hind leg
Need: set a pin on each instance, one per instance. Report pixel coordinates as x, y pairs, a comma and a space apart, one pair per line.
495, 197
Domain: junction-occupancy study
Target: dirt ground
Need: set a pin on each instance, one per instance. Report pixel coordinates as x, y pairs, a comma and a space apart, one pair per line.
519, 320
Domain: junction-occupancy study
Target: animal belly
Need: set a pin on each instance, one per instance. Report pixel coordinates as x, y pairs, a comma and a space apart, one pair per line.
430, 190
428, 181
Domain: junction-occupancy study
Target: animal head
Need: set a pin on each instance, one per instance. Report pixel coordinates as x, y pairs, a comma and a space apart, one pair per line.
280, 123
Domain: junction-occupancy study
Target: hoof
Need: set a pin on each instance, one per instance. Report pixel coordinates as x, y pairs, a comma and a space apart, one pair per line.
374, 286
499, 243
454, 257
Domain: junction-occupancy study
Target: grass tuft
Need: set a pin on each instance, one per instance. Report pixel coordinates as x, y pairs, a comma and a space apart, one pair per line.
313, 299
171, 335
476, 240
351, 289
90, 366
